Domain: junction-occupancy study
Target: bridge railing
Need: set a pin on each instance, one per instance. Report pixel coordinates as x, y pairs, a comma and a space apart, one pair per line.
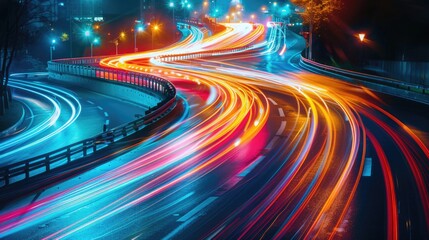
203, 54
45, 163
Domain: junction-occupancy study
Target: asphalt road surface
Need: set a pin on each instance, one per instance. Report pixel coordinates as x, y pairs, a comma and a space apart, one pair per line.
259, 149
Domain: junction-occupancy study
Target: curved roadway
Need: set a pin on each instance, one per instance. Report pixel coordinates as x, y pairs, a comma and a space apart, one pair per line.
57, 115
262, 149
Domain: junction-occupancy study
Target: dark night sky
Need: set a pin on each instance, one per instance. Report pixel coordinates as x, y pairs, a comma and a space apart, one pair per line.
396, 26
392, 24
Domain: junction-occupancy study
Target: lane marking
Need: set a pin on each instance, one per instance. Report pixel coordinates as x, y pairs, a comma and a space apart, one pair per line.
178, 229
198, 208
106, 114
367, 167
100, 108
251, 167
90, 102
216, 233
272, 101
270, 145
282, 128
282, 114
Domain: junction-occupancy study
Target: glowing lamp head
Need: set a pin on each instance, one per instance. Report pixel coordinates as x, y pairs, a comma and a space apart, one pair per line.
361, 36
140, 29
171, 4
53, 41
87, 33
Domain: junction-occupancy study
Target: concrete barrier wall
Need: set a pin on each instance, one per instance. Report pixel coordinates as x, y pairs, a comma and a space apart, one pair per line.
380, 84
410, 72
111, 88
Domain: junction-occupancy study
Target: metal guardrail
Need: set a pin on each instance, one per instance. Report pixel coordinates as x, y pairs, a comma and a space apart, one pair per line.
44, 163
202, 54
364, 76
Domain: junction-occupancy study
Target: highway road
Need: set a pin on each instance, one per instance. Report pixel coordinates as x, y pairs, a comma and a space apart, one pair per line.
57, 115
258, 148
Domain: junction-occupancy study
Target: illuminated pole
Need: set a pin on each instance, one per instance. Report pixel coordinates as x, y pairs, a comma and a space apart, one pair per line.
87, 35
135, 40
188, 6
362, 39
94, 41
52, 47
154, 28
205, 7
171, 5
137, 29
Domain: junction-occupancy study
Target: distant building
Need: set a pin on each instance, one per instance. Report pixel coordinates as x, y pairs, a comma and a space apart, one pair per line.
147, 10
87, 11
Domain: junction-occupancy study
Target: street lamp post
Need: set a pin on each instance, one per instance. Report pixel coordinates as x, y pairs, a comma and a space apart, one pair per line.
362, 39
138, 29
94, 41
171, 5
87, 34
116, 46
135, 40
52, 47
154, 29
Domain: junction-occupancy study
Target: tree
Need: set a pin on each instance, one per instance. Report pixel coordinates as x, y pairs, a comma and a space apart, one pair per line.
20, 20
315, 13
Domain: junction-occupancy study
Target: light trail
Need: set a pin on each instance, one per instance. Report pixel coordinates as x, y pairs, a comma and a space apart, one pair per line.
50, 98
308, 178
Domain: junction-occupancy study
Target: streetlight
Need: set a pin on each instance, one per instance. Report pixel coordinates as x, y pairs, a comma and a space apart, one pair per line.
87, 34
94, 41
154, 28
171, 5
139, 28
361, 36
188, 7
121, 36
204, 8
362, 39
52, 47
